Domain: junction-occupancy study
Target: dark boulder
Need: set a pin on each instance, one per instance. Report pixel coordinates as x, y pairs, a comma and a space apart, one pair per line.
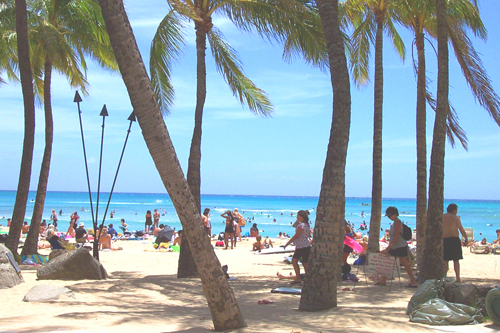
73, 265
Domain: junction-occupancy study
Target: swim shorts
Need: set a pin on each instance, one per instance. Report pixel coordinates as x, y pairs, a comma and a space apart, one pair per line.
399, 252
452, 248
302, 253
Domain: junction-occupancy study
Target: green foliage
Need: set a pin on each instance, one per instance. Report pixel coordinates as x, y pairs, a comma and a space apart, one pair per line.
295, 24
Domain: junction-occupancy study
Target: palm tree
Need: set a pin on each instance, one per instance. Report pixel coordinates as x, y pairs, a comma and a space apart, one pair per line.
419, 16
369, 16
432, 266
320, 288
29, 125
224, 309
61, 32
292, 22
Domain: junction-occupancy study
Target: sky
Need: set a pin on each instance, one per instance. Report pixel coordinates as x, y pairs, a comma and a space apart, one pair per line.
246, 154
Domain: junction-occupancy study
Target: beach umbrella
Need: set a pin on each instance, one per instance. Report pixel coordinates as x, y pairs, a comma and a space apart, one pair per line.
166, 232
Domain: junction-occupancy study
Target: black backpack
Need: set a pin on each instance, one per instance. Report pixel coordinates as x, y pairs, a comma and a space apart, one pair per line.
406, 232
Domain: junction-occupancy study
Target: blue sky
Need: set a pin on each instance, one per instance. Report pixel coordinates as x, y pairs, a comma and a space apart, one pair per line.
246, 154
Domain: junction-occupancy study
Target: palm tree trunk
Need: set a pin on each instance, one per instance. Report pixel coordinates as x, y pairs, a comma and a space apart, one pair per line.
224, 309
376, 208
421, 149
432, 267
29, 126
186, 267
31, 244
320, 288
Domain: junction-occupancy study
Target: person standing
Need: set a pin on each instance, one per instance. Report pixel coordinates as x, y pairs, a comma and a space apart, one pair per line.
207, 223
398, 247
452, 246
156, 219
302, 244
229, 230
149, 221
53, 218
74, 220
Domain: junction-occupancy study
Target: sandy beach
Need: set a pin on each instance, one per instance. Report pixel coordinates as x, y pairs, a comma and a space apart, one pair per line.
144, 295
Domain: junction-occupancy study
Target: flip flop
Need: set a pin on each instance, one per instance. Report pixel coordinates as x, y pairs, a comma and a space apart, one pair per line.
410, 286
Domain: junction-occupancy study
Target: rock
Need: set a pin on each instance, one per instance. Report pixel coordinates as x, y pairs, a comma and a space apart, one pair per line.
73, 265
42, 293
55, 253
463, 293
8, 276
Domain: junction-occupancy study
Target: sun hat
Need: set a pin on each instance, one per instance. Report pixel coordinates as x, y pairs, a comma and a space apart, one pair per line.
81, 224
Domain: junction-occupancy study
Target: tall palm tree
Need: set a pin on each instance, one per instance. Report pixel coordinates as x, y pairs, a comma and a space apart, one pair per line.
224, 309
367, 17
62, 33
29, 125
320, 288
432, 266
419, 16
294, 23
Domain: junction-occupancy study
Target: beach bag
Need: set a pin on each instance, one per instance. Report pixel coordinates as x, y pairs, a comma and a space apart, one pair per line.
406, 232
219, 243
242, 222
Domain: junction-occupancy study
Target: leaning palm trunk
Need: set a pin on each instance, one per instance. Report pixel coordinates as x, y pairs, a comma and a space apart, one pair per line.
29, 126
31, 244
320, 288
376, 208
421, 149
187, 267
225, 312
432, 267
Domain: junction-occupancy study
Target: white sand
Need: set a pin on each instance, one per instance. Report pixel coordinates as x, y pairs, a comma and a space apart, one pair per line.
144, 295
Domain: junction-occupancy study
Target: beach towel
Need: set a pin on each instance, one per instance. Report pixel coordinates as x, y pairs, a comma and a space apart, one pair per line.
39, 259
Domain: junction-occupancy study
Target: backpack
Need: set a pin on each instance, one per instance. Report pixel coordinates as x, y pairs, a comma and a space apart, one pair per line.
406, 232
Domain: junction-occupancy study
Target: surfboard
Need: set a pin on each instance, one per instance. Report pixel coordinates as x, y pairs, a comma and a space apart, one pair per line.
277, 250
287, 290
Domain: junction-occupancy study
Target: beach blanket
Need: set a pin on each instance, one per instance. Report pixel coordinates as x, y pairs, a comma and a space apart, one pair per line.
39, 259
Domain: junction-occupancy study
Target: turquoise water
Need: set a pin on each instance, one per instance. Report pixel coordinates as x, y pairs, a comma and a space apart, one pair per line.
481, 215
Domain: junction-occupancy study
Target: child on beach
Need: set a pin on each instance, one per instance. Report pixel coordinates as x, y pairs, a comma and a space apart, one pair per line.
302, 245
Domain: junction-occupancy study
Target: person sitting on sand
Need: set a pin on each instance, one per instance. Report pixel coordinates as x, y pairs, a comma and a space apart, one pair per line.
50, 232
385, 238
124, 225
261, 245
25, 228
105, 242
290, 277
43, 228
178, 239
497, 241
111, 231
362, 256
81, 234
254, 231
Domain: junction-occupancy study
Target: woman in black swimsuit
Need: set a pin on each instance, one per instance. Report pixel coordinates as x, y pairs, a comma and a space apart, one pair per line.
229, 231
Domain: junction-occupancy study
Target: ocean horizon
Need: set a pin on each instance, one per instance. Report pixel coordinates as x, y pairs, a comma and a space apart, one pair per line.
272, 213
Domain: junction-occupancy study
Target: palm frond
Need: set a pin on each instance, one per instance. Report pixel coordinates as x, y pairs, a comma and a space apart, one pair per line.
229, 66
165, 49
360, 49
397, 41
295, 24
453, 128
472, 68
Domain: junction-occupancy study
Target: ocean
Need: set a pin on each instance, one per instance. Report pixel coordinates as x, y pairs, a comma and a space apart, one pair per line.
481, 215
